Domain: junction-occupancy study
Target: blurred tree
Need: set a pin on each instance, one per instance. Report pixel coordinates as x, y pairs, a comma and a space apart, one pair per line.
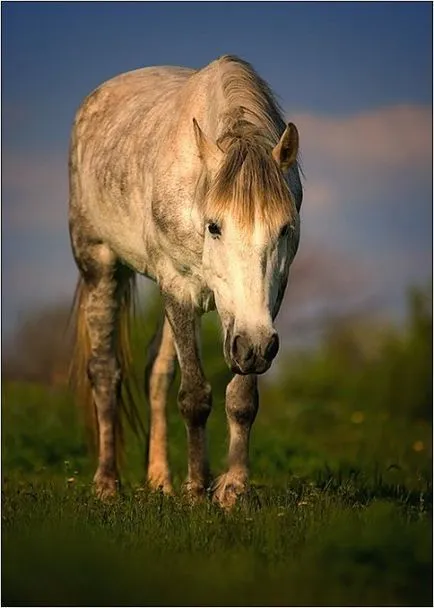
40, 349
361, 365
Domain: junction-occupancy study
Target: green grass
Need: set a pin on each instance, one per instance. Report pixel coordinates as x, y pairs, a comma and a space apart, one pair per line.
339, 512
300, 546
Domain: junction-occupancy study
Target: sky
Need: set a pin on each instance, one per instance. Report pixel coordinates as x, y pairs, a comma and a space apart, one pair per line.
356, 78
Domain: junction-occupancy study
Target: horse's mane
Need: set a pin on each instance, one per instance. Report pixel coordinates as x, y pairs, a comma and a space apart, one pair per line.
243, 87
249, 184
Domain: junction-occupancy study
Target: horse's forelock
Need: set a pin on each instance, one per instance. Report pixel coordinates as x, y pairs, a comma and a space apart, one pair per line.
249, 187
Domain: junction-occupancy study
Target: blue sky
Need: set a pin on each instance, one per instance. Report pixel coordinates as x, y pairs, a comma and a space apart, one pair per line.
355, 77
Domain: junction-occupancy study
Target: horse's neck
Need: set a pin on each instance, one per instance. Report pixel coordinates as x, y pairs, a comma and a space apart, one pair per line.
202, 99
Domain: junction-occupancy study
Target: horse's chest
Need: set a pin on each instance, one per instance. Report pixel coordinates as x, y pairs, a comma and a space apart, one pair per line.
184, 281
177, 268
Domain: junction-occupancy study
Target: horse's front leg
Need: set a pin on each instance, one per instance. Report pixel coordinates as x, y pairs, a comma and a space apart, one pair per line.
242, 402
194, 397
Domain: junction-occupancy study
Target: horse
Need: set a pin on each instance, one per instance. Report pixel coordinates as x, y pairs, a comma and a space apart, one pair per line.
190, 178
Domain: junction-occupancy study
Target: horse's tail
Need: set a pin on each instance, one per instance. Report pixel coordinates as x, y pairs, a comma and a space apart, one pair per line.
128, 406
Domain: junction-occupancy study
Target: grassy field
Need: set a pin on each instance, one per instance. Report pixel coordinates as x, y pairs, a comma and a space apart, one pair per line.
339, 513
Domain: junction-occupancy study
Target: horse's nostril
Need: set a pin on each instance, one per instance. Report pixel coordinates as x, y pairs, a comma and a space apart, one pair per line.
235, 346
242, 350
272, 348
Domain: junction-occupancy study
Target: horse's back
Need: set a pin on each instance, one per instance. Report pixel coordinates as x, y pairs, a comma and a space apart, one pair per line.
114, 142
124, 101
142, 83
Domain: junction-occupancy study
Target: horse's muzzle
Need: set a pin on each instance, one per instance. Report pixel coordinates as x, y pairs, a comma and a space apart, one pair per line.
248, 357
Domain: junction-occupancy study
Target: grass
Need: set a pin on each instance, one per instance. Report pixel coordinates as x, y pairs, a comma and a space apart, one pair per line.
339, 513
300, 546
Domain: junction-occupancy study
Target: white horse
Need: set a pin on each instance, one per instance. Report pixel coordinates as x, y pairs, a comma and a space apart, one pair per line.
191, 179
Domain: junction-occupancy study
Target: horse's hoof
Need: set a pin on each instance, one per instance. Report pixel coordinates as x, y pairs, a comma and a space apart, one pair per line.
105, 488
194, 493
227, 489
160, 484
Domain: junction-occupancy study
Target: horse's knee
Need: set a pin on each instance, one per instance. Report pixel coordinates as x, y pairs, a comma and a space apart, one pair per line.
242, 399
195, 402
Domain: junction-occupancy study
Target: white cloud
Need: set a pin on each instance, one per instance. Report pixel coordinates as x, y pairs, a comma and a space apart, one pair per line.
373, 153
395, 137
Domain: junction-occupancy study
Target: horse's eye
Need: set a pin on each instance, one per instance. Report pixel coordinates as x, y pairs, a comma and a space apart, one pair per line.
284, 231
214, 229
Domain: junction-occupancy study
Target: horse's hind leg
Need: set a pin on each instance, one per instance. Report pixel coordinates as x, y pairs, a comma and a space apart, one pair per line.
102, 277
160, 374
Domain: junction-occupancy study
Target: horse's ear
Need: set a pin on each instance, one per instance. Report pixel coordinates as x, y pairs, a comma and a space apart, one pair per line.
285, 153
208, 150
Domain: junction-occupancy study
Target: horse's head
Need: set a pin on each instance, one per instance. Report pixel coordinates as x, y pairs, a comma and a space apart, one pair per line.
251, 233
